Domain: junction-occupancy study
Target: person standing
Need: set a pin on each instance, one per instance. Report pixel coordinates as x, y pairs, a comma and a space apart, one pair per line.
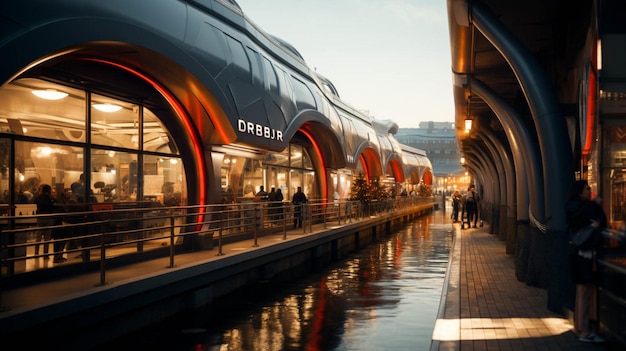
581, 211
298, 199
45, 206
279, 203
262, 194
272, 198
78, 188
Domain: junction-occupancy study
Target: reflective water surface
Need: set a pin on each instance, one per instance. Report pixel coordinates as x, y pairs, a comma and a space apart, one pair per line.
384, 297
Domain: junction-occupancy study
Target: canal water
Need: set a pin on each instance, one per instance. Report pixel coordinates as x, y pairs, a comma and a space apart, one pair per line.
384, 297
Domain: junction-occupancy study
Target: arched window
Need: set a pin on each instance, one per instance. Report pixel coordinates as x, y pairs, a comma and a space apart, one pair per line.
62, 136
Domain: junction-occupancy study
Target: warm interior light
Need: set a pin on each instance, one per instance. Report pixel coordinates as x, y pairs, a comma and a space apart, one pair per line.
462, 160
107, 107
468, 125
49, 94
599, 55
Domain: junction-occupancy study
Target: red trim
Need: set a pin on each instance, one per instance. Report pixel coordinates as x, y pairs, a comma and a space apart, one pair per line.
590, 114
318, 153
397, 170
184, 117
365, 167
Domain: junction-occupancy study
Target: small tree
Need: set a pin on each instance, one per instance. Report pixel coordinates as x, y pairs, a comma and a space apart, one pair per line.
360, 189
377, 192
425, 191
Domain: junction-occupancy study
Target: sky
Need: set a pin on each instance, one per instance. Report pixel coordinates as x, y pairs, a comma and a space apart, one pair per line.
390, 59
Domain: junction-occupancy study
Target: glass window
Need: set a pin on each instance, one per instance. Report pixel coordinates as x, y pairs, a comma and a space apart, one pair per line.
295, 179
278, 159
252, 178
120, 133
42, 109
163, 180
114, 123
306, 160
106, 181
295, 156
5, 154
155, 135
41, 163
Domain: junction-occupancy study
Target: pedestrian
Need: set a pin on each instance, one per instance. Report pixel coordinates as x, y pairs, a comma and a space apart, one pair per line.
456, 205
45, 206
298, 199
262, 194
581, 212
471, 206
279, 203
274, 204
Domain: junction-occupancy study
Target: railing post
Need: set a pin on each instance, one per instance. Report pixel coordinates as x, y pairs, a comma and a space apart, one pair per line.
172, 238
284, 220
339, 212
256, 223
103, 258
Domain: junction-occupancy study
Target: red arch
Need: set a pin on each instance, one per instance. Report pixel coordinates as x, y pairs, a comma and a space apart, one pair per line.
184, 117
396, 167
318, 154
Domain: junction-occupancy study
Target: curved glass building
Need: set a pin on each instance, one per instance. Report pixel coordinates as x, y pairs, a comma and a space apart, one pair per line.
177, 102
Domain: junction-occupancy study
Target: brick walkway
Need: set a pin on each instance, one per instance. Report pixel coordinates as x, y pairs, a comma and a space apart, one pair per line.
487, 308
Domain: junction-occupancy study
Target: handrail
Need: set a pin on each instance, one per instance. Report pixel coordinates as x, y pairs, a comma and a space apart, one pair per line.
110, 233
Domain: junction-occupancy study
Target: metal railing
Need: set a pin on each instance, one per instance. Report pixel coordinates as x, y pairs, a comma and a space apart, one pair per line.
107, 232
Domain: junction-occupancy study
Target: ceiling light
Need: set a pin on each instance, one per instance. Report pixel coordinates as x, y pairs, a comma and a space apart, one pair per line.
49, 94
107, 107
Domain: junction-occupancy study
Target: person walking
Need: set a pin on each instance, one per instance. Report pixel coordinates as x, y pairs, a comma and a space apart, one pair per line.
298, 199
456, 205
471, 206
581, 212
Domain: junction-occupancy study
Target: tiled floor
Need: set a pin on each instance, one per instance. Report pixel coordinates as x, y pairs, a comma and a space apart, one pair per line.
487, 308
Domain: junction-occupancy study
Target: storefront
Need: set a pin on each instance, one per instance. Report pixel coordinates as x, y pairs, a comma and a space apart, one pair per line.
182, 106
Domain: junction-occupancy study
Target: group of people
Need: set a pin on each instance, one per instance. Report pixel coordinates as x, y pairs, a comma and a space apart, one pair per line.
275, 196
48, 201
467, 206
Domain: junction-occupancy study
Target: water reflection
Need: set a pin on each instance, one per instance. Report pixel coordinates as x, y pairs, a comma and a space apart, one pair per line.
384, 297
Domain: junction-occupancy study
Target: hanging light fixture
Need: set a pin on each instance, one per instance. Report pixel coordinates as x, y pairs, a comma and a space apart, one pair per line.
107, 107
468, 113
468, 125
49, 94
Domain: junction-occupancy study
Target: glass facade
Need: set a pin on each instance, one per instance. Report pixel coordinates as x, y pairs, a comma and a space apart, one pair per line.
67, 137
242, 177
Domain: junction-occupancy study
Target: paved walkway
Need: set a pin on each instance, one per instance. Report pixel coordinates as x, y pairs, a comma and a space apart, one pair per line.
487, 308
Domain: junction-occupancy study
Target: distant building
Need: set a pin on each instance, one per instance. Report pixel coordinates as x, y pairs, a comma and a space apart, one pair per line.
438, 139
